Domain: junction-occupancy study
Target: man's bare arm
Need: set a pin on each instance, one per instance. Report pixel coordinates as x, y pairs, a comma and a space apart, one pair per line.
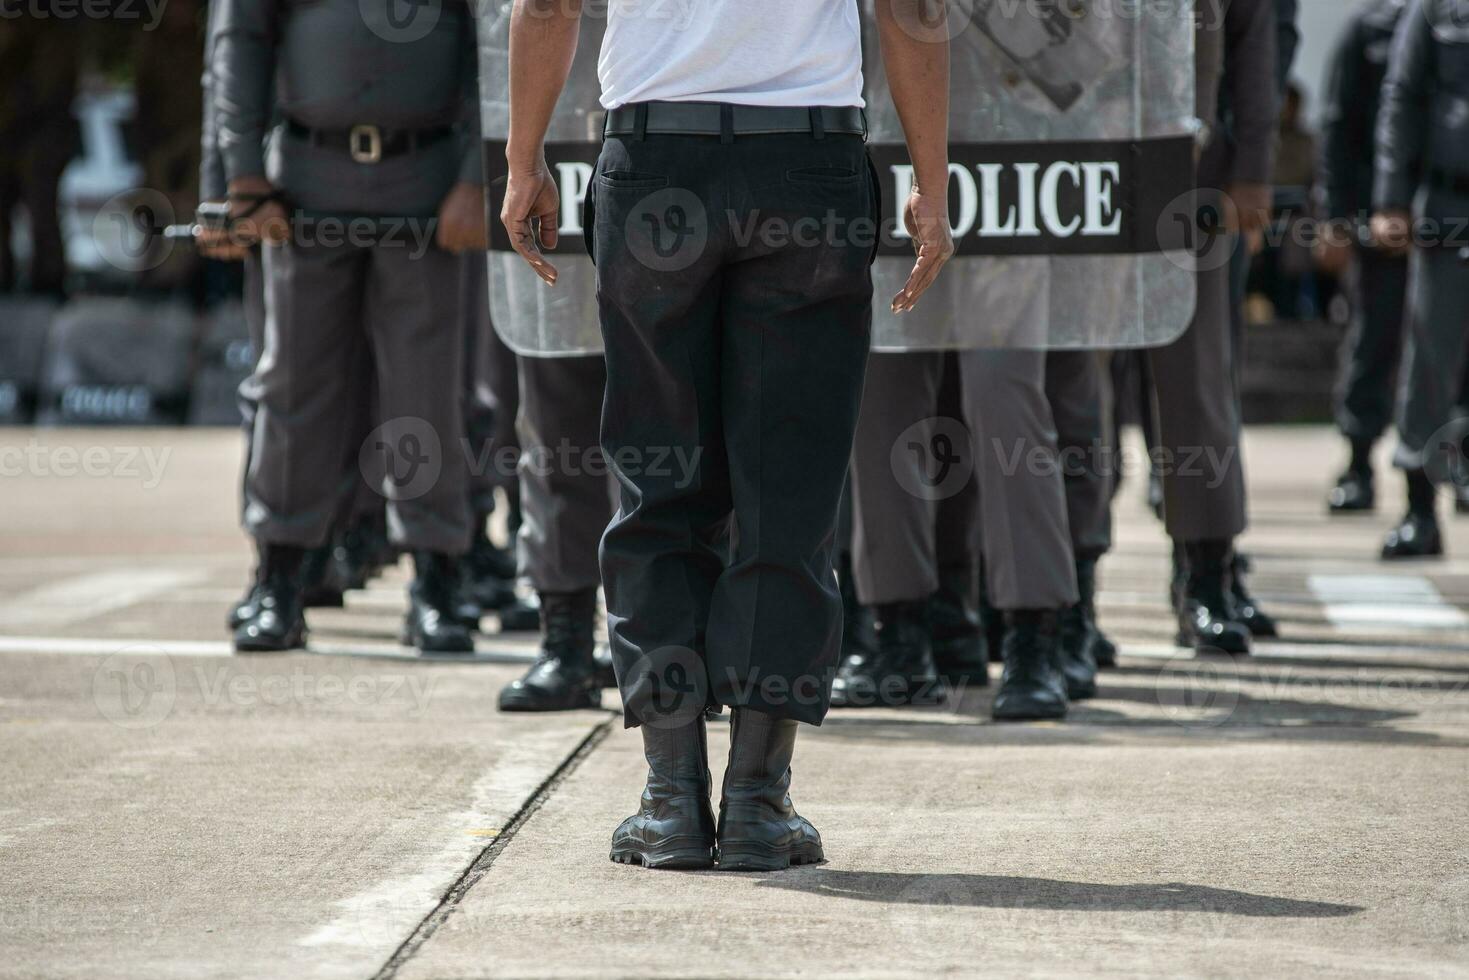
918, 77
543, 36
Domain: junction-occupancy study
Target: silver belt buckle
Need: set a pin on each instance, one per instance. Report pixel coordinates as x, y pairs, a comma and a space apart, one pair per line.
366, 144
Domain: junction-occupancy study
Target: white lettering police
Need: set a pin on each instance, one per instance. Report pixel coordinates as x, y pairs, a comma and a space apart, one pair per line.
1031, 204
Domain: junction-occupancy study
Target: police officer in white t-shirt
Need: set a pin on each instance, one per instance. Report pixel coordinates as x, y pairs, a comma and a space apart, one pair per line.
734, 222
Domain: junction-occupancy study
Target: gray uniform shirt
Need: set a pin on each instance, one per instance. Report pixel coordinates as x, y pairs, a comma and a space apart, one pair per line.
337, 64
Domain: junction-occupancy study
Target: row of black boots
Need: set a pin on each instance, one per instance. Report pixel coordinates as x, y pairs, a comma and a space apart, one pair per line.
927, 651
447, 599
1418, 534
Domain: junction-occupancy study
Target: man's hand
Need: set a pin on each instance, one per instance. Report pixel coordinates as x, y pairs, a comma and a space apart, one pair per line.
462, 224
252, 220
917, 67
1392, 231
926, 216
532, 209
218, 244
542, 43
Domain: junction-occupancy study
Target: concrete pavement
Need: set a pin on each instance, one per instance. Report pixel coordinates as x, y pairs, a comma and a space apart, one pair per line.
169, 810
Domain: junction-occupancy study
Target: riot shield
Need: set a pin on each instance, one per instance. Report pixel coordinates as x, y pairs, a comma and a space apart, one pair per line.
1072, 163
533, 319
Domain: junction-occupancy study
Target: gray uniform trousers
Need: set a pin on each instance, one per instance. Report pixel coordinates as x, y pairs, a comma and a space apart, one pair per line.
1026, 533
491, 392
1078, 386
1198, 421
1437, 349
901, 539
566, 490
310, 383
362, 493
899, 482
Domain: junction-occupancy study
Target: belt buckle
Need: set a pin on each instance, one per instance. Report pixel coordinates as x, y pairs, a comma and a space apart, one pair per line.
366, 144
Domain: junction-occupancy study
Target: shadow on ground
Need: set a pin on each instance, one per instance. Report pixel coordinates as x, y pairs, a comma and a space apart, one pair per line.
1005, 891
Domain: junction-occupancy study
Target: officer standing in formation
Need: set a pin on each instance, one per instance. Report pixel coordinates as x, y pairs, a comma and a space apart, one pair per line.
385, 130
491, 404
568, 501
1040, 530
751, 353
915, 560
1204, 505
1420, 199
1379, 277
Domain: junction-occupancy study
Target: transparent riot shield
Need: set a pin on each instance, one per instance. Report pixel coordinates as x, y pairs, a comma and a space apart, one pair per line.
531, 318
1072, 163
1071, 146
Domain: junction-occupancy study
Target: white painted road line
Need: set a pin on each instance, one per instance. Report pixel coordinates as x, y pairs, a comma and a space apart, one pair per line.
84, 596
1396, 601
143, 647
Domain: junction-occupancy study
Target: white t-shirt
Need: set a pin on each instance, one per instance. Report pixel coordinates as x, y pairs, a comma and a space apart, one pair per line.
747, 52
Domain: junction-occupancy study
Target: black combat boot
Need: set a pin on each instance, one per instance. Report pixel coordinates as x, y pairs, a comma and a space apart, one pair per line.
606, 672
321, 583
1246, 609
464, 607
488, 570
1418, 535
759, 830
277, 621
1076, 653
1206, 615
960, 653
674, 825
249, 604
900, 671
564, 676
1354, 492
1104, 651
430, 625
349, 564
521, 616
1031, 688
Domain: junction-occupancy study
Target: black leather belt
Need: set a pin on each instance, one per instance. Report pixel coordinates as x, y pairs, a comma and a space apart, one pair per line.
369, 144
1442, 179
638, 119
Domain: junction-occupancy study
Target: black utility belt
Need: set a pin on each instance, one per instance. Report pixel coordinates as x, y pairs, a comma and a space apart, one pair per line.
367, 143
639, 119
1443, 180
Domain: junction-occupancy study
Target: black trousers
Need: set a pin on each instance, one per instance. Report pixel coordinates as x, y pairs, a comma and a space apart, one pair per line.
735, 294
1373, 347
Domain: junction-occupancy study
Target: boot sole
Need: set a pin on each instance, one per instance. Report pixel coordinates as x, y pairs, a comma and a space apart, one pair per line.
1049, 714
758, 856
588, 699
296, 641
1206, 648
667, 857
409, 640
927, 691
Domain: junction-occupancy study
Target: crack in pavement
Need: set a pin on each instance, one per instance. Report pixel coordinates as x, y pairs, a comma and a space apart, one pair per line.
486, 858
